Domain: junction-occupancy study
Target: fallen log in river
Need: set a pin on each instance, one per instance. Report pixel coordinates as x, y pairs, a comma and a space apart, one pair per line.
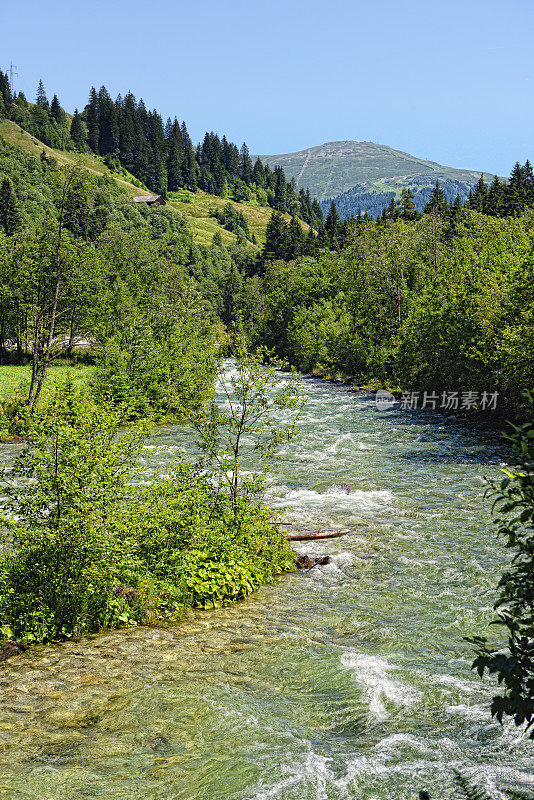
305, 536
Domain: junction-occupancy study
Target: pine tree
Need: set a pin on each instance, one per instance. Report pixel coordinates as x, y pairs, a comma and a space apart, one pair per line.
10, 218
78, 132
437, 202
55, 108
91, 120
407, 205
5, 96
275, 237
41, 99
332, 222
245, 165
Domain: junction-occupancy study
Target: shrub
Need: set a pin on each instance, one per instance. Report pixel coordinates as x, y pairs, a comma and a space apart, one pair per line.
513, 663
88, 545
60, 565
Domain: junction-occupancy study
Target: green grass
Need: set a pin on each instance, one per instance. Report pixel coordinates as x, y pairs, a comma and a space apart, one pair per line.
11, 133
196, 206
15, 380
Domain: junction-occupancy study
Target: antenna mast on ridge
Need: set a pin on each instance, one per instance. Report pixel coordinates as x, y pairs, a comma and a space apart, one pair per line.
12, 75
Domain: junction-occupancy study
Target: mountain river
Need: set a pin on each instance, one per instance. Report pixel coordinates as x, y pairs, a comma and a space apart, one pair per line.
350, 680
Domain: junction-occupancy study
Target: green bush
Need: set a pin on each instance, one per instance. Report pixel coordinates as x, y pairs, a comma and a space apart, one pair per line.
60, 565
87, 545
513, 662
4, 426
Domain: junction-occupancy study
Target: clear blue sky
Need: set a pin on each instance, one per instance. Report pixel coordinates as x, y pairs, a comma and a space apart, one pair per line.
450, 81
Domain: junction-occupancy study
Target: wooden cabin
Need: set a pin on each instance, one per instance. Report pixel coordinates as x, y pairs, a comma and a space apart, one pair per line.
151, 200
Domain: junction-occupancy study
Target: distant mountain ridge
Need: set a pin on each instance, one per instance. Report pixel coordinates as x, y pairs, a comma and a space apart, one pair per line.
367, 175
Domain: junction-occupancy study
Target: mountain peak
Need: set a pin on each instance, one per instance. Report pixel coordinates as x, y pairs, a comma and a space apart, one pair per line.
335, 168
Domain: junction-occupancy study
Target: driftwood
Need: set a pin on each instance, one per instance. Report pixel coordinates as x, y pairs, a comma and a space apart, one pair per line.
304, 537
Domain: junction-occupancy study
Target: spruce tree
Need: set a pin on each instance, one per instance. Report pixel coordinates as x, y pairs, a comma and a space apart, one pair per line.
480, 195
174, 156
391, 210
275, 237
528, 174
108, 129
245, 165
41, 99
437, 202
10, 218
189, 165
258, 173
295, 239
91, 120
457, 207
280, 189
5, 96
78, 132
128, 131
495, 199
317, 216
55, 108
407, 205
332, 222
516, 194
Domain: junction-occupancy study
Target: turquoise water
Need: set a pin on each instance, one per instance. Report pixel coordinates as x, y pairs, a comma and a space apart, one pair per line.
351, 680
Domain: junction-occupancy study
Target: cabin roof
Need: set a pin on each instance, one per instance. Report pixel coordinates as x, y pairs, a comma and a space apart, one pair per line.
150, 199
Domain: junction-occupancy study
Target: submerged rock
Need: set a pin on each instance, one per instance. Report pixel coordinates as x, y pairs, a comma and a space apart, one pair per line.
10, 648
307, 562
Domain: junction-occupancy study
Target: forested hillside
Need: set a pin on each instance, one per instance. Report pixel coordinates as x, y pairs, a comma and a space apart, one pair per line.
80, 261
440, 303
160, 155
360, 199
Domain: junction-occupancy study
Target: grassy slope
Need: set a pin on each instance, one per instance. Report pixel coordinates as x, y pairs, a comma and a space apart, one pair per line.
335, 167
195, 206
11, 133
